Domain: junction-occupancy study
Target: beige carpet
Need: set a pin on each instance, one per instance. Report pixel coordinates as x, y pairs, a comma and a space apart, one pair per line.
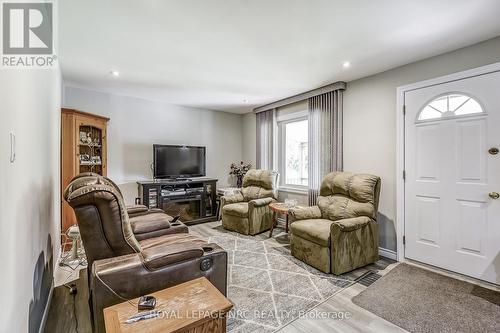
422, 301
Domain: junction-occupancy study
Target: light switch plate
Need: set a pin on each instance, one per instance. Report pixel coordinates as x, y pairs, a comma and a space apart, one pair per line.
12, 147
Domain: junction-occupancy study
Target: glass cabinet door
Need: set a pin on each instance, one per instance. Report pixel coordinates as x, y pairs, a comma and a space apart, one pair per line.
90, 144
90, 148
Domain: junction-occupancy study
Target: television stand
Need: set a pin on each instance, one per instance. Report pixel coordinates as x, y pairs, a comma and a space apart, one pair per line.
160, 180
193, 199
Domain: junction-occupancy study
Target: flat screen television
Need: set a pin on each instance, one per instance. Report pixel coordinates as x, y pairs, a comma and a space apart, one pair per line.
171, 161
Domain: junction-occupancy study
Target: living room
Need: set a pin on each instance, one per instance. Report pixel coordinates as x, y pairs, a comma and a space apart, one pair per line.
304, 166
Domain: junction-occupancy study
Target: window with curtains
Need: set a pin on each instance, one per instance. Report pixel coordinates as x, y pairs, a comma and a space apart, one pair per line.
293, 147
301, 136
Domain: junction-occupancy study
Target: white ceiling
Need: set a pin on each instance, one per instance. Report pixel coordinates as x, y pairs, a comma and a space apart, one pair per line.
214, 53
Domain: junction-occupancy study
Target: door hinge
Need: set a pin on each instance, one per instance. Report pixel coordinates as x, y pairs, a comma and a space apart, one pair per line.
404, 240
404, 110
404, 174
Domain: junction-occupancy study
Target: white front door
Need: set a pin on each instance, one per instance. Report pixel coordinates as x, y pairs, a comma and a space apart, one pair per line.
452, 213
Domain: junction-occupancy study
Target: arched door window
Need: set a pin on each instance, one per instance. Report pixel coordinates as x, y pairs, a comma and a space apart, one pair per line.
450, 105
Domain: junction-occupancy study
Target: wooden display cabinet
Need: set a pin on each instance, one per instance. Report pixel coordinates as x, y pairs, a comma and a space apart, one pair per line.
83, 149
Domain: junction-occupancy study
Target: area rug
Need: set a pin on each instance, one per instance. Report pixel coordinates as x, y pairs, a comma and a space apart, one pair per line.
269, 287
422, 301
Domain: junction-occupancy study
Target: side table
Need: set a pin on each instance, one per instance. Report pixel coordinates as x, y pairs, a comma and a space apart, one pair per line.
279, 208
193, 306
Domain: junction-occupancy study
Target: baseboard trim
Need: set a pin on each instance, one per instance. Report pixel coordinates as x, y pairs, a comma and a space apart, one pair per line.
46, 310
387, 253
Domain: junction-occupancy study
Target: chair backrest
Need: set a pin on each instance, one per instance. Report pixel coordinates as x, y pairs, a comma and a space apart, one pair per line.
260, 184
345, 195
102, 218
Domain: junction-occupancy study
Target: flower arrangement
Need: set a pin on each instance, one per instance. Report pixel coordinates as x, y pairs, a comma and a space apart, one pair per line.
239, 170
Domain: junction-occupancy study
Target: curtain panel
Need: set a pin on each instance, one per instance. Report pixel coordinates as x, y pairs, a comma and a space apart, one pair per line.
265, 137
325, 139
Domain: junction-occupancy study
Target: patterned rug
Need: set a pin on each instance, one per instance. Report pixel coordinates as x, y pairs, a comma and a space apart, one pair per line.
269, 287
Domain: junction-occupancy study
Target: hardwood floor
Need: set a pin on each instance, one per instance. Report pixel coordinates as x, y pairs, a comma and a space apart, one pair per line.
360, 320
64, 306
70, 313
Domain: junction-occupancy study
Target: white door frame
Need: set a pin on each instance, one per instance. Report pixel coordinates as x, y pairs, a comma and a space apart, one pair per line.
400, 140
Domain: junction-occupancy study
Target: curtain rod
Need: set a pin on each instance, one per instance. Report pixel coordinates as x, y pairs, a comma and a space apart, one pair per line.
340, 85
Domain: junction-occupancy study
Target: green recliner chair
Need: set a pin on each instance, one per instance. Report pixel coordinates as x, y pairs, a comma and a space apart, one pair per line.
340, 233
247, 212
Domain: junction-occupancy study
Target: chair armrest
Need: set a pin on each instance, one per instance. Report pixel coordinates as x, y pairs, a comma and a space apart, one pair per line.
304, 213
229, 199
260, 202
160, 256
136, 209
128, 278
351, 224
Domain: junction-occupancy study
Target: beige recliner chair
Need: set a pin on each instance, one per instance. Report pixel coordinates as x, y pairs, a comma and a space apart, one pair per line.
341, 232
247, 211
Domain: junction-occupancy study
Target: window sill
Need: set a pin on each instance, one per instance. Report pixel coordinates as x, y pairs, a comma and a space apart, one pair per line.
294, 190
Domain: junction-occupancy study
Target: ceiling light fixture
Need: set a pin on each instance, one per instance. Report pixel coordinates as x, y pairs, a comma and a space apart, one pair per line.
346, 64
114, 73
245, 100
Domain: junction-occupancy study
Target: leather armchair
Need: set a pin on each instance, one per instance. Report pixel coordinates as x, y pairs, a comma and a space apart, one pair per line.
123, 267
145, 222
247, 211
341, 232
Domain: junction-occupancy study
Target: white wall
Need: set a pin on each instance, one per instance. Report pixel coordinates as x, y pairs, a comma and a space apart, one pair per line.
370, 120
136, 124
29, 194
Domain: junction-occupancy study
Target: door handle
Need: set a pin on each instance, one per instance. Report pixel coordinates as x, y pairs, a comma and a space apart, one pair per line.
494, 195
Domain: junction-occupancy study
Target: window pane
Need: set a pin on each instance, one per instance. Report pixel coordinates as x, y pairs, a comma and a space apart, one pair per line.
296, 135
429, 113
471, 106
456, 101
450, 105
440, 104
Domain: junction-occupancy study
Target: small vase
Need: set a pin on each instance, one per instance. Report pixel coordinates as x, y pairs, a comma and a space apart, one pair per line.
239, 182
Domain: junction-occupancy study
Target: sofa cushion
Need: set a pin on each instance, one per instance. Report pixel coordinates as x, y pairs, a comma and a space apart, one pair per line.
314, 230
236, 209
338, 207
259, 184
171, 239
260, 178
162, 255
345, 195
149, 222
352, 223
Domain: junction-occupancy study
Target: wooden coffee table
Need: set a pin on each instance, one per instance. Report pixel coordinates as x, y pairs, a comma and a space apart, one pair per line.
193, 306
278, 208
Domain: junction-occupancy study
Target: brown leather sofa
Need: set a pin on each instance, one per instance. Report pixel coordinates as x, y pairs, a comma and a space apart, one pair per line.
123, 267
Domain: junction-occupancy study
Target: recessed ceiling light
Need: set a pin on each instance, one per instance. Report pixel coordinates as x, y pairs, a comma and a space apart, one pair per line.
346, 64
245, 100
114, 73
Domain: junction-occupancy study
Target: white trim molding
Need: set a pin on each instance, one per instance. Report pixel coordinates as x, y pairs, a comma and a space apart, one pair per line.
295, 190
41, 329
400, 139
387, 253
